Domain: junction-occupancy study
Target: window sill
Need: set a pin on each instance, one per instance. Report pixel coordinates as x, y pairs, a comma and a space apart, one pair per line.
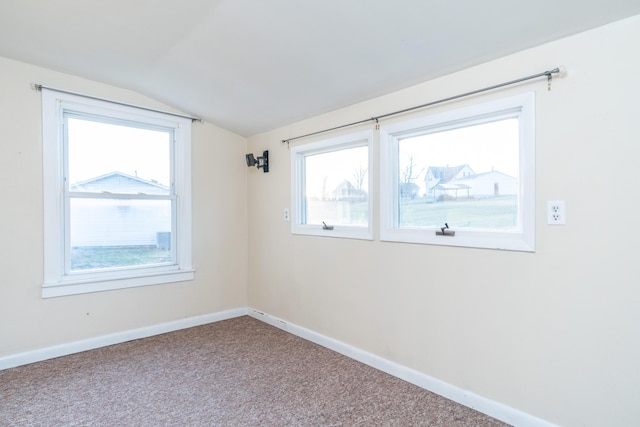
82, 286
343, 232
523, 242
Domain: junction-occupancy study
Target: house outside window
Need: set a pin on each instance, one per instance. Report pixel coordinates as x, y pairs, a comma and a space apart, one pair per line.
331, 187
461, 178
108, 232
117, 196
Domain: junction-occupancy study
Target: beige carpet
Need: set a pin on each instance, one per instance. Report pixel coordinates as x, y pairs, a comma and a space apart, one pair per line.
238, 372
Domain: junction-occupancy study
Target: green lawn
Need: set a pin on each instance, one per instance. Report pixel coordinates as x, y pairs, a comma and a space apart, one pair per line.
491, 212
92, 257
337, 213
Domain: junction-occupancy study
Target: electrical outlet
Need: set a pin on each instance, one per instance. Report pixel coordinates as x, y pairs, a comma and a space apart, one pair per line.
286, 214
556, 213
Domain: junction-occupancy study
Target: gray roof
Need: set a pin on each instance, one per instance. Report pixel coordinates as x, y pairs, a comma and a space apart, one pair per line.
446, 173
118, 182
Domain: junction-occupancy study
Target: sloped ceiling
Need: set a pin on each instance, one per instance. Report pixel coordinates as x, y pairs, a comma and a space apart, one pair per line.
253, 65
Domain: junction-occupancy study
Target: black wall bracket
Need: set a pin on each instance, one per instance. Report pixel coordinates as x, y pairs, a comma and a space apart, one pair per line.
259, 162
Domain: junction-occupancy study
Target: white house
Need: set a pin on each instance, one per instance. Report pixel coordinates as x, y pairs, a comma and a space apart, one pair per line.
454, 182
487, 184
346, 191
118, 182
437, 178
95, 222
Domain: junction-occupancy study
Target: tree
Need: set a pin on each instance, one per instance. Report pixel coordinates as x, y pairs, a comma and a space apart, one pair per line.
358, 177
407, 174
325, 195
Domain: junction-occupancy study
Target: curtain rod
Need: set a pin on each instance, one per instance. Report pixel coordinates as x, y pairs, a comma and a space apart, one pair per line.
549, 74
39, 87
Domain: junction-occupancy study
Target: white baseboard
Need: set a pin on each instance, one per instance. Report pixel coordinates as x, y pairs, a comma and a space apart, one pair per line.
39, 355
464, 397
490, 407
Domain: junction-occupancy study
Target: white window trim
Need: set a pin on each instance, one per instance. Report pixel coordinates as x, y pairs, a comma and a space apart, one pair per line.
298, 153
56, 282
521, 106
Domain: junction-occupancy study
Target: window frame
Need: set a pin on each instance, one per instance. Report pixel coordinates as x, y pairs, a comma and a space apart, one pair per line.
521, 106
58, 280
298, 154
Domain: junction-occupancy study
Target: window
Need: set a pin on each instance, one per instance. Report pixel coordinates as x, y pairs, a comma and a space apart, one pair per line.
471, 170
331, 187
117, 195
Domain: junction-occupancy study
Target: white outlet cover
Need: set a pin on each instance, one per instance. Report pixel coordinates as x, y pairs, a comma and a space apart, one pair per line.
556, 212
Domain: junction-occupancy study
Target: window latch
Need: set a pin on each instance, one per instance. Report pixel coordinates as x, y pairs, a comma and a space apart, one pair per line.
444, 231
326, 227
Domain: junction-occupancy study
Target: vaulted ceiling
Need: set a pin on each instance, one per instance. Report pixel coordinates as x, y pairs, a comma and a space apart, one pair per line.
254, 65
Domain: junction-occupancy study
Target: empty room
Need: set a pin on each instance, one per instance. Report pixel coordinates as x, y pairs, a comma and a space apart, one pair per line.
340, 213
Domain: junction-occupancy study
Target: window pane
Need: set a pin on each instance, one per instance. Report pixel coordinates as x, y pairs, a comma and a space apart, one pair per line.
336, 187
466, 177
107, 157
119, 233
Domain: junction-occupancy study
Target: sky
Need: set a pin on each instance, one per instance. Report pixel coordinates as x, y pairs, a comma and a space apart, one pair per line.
97, 148
484, 147
335, 166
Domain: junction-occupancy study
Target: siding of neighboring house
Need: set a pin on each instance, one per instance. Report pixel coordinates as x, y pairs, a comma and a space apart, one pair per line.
120, 222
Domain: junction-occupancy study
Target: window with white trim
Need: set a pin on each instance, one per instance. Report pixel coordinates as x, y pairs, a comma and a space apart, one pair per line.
331, 183
117, 196
462, 178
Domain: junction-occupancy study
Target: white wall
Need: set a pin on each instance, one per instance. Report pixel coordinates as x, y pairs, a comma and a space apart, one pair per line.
553, 333
27, 321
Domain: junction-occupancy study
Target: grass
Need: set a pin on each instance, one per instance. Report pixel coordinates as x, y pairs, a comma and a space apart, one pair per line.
491, 212
337, 212
94, 257
487, 213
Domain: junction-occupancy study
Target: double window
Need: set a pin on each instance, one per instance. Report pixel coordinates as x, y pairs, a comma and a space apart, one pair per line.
462, 178
117, 195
